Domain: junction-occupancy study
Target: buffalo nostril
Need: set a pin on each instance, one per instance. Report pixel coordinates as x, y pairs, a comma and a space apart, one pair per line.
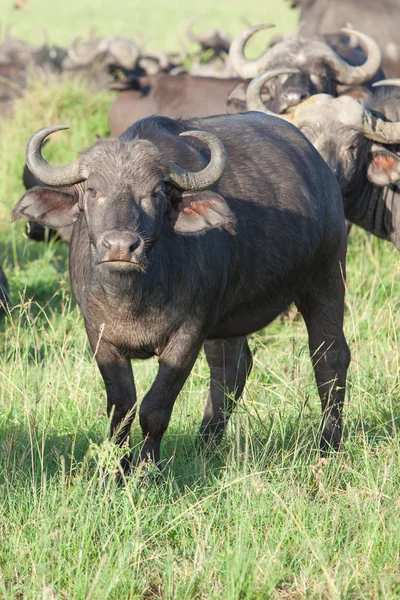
135, 243
295, 95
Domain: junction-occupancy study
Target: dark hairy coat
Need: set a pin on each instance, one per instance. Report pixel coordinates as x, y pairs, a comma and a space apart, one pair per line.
208, 266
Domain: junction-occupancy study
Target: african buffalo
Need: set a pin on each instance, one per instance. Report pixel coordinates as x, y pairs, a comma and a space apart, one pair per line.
16, 59
185, 95
380, 19
321, 68
213, 59
95, 61
358, 143
192, 232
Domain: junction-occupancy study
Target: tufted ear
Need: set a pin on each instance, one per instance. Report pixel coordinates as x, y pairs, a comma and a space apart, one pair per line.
51, 206
198, 211
384, 167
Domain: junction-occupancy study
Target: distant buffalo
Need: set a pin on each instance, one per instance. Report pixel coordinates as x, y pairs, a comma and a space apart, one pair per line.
378, 18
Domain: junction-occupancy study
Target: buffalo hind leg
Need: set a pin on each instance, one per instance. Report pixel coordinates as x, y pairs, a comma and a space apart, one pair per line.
230, 363
322, 308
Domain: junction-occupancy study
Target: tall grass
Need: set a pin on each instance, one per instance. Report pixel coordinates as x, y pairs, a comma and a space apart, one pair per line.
263, 516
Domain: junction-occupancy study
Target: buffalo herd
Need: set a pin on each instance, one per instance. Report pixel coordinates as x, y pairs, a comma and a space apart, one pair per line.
220, 198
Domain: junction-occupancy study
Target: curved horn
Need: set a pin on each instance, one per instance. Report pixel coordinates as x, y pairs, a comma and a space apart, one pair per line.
394, 82
68, 174
375, 128
157, 55
213, 38
189, 180
100, 47
253, 94
124, 50
247, 69
378, 130
350, 75
190, 33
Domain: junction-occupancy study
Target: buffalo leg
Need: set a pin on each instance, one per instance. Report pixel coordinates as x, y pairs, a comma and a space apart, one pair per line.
322, 309
175, 364
230, 363
116, 371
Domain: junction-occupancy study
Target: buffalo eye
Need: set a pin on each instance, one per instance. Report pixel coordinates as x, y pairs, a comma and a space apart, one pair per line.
92, 192
157, 193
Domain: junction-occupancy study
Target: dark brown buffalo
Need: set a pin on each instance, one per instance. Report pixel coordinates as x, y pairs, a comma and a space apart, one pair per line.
378, 18
199, 232
171, 96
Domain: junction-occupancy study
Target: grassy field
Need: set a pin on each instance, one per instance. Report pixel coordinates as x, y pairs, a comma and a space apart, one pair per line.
264, 517
161, 22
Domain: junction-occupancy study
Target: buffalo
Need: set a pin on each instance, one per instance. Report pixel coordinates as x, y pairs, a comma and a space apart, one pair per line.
378, 19
100, 61
321, 68
192, 232
359, 144
16, 59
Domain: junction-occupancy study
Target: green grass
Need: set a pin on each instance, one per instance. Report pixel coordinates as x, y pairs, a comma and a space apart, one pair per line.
263, 517
161, 22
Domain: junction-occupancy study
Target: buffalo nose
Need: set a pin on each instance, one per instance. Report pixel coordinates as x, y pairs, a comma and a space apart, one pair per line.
119, 245
295, 95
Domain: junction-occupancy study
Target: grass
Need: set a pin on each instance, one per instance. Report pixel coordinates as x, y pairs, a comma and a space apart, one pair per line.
161, 22
264, 517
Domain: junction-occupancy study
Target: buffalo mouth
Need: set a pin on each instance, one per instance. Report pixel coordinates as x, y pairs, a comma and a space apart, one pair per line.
123, 265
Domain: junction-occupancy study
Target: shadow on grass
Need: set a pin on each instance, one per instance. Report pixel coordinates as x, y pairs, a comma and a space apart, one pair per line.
27, 453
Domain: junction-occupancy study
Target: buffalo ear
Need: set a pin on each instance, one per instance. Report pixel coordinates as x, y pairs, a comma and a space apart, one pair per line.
198, 211
384, 167
50, 206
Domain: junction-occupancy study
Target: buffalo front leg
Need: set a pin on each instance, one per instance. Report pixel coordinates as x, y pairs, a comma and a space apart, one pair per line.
116, 371
230, 363
175, 364
322, 309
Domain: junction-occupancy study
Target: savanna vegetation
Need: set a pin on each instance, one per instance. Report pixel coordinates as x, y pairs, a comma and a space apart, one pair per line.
262, 517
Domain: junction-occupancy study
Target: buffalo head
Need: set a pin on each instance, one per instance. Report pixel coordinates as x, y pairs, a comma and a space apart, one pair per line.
319, 69
352, 138
127, 192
